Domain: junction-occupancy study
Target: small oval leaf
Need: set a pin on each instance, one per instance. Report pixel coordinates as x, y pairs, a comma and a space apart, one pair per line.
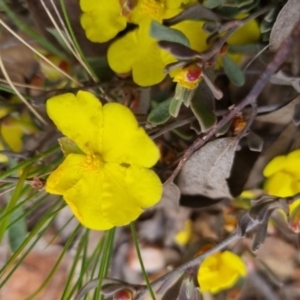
164, 33
233, 71
178, 50
160, 114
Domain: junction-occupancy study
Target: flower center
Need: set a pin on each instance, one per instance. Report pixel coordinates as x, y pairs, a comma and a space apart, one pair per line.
155, 8
93, 162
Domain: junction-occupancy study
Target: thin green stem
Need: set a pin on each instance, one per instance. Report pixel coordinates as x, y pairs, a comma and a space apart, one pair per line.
136, 244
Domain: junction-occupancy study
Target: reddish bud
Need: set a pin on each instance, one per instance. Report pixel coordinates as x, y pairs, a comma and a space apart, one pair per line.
194, 73
123, 295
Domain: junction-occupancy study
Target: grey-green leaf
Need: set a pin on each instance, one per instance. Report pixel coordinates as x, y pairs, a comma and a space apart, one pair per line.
203, 107
17, 230
178, 50
196, 12
212, 3
174, 107
164, 33
160, 114
233, 71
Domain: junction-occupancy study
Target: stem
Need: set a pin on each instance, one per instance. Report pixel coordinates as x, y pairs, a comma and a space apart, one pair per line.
136, 244
250, 99
198, 259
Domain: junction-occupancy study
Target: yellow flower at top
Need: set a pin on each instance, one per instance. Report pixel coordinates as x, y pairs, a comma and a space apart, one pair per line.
102, 20
220, 271
106, 181
139, 53
282, 175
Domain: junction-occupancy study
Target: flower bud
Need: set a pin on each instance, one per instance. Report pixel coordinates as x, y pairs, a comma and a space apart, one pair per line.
123, 295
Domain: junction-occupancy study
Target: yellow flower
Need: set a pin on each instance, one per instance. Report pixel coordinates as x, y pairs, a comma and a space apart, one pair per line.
140, 53
220, 271
283, 176
106, 181
183, 236
13, 126
102, 19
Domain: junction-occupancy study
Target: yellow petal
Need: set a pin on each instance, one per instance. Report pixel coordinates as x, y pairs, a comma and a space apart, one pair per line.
139, 53
293, 163
66, 175
102, 20
276, 164
112, 195
279, 185
3, 158
248, 34
127, 190
195, 34
79, 118
220, 271
86, 198
123, 140
11, 132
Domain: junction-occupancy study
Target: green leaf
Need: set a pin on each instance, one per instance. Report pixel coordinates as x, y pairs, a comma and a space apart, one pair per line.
212, 3
164, 33
59, 38
160, 114
233, 71
250, 49
68, 146
203, 107
178, 50
184, 95
174, 107
17, 229
196, 12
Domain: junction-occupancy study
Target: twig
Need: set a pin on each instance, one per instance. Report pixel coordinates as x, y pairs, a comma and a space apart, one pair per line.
196, 261
231, 27
272, 67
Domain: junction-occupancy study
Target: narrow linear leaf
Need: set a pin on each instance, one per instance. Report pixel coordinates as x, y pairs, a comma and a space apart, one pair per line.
17, 230
160, 114
164, 33
178, 50
59, 39
233, 71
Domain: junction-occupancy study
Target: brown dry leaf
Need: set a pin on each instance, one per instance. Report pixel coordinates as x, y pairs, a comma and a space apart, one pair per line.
283, 115
206, 171
19, 61
284, 24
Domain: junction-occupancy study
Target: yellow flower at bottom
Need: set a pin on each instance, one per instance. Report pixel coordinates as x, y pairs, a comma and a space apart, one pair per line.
106, 182
220, 271
282, 175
